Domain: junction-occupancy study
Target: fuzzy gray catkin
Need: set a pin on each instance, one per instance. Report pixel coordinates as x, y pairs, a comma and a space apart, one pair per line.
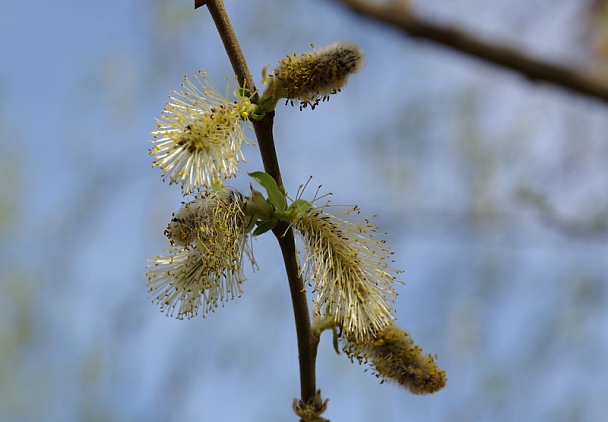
311, 77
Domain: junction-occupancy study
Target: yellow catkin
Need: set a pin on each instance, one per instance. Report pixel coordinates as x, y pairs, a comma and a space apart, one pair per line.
204, 265
395, 357
350, 270
311, 77
199, 136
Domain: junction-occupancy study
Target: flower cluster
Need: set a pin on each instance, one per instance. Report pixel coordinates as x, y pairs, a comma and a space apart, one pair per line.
199, 135
204, 265
197, 144
350, 268
353, 282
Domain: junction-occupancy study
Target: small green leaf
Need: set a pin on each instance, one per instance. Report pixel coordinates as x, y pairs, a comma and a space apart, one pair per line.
242, 93
265, 102
264, 226
257, 113
300, 206
275, 195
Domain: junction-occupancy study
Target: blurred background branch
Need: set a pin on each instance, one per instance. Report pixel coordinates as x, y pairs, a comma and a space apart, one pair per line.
400, 16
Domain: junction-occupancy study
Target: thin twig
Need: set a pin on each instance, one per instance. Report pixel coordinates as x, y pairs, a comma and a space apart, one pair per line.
231, 44
307, 344
399, 16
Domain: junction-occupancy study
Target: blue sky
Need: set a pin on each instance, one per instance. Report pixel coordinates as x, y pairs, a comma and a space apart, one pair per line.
508, 295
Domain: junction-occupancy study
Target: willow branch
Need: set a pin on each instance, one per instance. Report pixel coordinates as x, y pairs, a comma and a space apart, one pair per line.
307, 344
400, 17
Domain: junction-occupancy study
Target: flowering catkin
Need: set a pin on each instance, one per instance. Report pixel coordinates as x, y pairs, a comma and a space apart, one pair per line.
352, 278
311, 77
204, 265
395, 357
199, 135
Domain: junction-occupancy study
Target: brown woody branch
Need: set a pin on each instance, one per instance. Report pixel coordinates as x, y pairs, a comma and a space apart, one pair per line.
400, 17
